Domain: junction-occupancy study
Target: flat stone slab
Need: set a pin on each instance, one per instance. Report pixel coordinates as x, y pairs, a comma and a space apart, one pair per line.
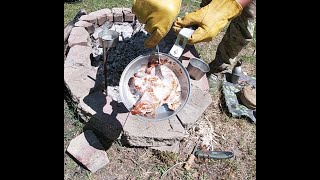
117, 14
79, 36
142, 133
202, 83
83, 24
89, 18
88, 26
77, 72
173, 148
106, 115
198, 102
101, 12
101, 15
128, 15
88, 150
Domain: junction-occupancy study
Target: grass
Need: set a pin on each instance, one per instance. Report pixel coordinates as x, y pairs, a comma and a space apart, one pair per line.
70, 10
71, 120
162, 169
168, 158
188, 6
237, 135
248, 59
72, 128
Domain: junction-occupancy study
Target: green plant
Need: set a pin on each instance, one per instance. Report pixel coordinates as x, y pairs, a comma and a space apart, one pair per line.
162, 169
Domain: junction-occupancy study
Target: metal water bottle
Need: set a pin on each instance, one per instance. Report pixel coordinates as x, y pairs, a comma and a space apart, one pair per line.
236, 73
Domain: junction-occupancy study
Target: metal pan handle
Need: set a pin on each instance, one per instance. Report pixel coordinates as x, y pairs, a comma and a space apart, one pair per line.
181, 41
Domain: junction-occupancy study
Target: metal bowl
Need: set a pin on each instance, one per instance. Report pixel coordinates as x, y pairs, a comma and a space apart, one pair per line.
162, 113
108, 38
197, 68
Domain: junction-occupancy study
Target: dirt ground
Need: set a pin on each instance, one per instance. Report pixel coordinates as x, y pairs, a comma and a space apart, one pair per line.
224, 132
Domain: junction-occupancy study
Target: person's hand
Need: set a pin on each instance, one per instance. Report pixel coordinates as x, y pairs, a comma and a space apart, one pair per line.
158, 17
210, 20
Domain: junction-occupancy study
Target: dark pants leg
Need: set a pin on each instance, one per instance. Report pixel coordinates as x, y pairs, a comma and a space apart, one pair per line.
238, 35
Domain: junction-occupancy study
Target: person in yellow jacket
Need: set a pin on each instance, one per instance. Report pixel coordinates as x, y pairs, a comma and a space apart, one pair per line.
213, 15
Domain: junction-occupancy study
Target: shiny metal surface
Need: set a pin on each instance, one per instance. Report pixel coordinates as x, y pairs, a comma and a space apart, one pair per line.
197, 68
162, 113
108, 38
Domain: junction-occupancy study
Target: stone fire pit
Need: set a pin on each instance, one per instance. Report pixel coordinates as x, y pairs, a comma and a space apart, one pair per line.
83, 77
